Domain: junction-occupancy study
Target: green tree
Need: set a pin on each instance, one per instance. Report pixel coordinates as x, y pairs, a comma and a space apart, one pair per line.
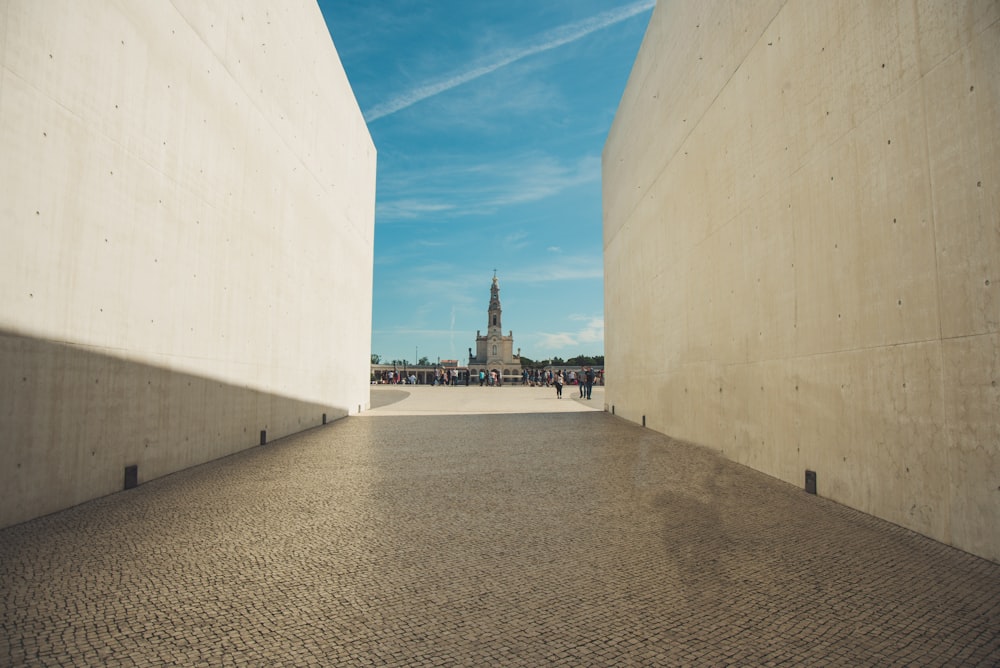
376, 358
586, 360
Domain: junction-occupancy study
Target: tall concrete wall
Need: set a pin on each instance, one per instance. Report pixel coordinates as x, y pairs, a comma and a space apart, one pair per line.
802, 249
187, 207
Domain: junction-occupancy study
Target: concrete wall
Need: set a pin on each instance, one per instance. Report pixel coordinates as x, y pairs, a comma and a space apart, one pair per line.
187, 208
802, 249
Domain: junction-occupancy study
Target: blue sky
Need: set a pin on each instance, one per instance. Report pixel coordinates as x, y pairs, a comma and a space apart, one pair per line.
489, 118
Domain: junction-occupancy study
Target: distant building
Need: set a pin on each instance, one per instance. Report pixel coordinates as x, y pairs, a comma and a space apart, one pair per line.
494, 351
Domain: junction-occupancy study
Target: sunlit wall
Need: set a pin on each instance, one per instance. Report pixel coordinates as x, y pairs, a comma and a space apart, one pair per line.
802, 249
187, 208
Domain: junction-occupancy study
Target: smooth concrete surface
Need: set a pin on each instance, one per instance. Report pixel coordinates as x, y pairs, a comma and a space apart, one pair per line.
503, 539
802, 249
475, 400
187, 208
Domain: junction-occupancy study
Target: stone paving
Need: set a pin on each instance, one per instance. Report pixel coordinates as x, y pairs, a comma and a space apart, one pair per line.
568, 538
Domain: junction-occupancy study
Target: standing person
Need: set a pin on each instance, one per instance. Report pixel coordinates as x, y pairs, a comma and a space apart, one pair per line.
581, 381
559, 384
590, 380
482, 377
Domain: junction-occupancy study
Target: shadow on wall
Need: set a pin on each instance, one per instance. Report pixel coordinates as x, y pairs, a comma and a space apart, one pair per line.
75, 422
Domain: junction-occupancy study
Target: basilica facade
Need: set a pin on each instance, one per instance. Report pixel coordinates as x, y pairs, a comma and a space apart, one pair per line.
494, 351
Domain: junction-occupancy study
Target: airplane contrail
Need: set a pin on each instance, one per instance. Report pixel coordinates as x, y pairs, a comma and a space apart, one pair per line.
550, 40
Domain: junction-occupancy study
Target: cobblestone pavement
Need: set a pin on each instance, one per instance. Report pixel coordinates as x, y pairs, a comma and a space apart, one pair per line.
565, 539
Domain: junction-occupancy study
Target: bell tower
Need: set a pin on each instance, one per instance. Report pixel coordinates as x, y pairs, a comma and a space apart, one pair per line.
494, 351
494, 328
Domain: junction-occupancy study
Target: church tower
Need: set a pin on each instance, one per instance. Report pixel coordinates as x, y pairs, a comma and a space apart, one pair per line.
494, 351
494, 328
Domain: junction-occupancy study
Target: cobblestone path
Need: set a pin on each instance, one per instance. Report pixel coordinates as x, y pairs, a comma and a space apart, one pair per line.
570, 539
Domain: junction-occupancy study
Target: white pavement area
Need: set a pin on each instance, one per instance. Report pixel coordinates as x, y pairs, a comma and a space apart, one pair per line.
462, 400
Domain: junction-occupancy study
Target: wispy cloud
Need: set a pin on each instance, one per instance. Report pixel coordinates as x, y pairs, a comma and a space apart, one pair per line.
557, 342
487, 187
561, 268
533, 182
592, 332
550, 40
517, 241
410, 208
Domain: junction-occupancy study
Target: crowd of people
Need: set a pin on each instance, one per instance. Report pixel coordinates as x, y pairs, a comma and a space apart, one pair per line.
491, 379
393, 378
584, 379
441, 377
548, 378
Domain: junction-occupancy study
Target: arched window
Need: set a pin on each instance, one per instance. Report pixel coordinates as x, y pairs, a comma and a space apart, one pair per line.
494, 323
494, 351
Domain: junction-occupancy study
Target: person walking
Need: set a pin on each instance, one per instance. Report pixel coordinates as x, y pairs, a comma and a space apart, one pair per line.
581, 382
559, 384
590, 380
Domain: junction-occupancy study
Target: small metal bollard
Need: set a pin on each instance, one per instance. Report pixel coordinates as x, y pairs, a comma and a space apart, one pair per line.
131, 476
810, 481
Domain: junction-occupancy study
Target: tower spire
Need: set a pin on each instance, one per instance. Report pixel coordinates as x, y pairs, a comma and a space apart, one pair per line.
494, 310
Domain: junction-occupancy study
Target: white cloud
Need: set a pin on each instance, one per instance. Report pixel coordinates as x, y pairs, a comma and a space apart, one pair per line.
517, 241
593, 331
410, 208
560, 268
535, 180
555, 341
547, 41
484, 188
573, 343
